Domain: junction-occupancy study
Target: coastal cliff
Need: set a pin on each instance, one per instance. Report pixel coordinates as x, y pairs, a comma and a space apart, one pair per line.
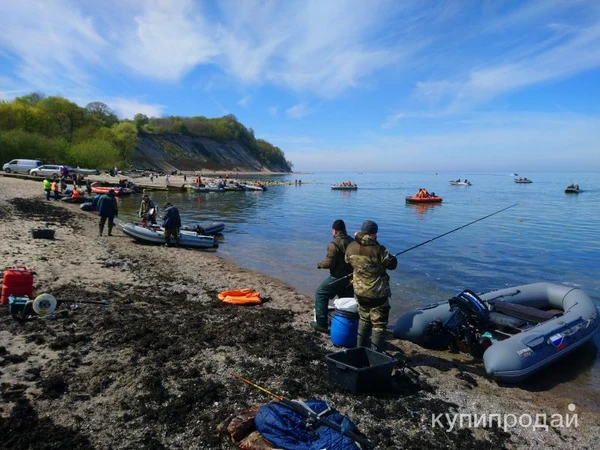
182, 152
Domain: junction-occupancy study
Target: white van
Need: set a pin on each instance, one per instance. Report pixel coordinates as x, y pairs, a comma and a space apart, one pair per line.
21, 165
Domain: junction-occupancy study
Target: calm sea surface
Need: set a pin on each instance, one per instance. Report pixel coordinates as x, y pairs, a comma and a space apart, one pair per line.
548, 236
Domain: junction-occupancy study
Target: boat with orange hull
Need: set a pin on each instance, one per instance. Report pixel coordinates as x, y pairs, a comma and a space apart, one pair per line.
431, 199
116, 190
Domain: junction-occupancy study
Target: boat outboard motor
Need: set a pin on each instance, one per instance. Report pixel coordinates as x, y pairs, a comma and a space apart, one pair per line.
464, 329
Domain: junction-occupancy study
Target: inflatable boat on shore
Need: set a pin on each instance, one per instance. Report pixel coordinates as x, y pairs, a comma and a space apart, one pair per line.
517, 330
156, 235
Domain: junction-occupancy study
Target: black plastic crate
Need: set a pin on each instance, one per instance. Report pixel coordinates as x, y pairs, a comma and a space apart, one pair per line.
361, 370
42, 233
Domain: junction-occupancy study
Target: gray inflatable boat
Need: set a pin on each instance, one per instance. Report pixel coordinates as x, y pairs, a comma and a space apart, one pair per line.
517, 330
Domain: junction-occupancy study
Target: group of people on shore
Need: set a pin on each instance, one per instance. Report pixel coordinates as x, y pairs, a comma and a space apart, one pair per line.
357, 268
54, 189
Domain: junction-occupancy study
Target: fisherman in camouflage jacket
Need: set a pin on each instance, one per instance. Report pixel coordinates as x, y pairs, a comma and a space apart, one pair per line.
369, 261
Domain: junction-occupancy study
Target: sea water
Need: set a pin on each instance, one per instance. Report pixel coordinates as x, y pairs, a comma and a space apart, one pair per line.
548, 235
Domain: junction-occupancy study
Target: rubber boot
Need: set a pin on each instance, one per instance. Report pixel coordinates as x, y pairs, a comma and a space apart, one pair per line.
100, 230
110, 227
378, 340
364, 334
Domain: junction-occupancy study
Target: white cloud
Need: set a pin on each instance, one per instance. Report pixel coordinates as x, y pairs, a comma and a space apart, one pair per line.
273, 110
50, 42
167, 41
127, 108
574, 55
298, 111
244, 101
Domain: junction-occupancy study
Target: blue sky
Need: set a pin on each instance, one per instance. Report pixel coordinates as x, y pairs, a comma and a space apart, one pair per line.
362, 85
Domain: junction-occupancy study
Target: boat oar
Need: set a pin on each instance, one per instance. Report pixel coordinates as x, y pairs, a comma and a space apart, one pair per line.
437, 237
311, 415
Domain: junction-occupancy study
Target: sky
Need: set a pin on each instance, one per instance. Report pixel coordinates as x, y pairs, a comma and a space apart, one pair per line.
337, 85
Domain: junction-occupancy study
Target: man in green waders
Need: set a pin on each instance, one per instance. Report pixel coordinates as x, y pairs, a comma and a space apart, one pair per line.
370, 262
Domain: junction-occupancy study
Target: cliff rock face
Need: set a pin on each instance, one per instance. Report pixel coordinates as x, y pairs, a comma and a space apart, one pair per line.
179, 152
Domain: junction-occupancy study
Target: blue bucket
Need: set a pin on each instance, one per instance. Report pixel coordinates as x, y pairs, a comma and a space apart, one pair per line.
344, 329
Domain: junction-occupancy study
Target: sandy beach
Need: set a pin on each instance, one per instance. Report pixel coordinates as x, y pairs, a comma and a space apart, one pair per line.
153, 369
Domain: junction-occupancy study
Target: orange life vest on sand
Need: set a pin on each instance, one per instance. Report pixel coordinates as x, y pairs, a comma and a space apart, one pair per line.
244, 296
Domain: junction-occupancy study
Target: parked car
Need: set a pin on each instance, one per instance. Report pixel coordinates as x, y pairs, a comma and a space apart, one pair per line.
21, 165
47, 170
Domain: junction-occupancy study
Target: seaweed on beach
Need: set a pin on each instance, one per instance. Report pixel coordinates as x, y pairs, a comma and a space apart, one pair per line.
35, 209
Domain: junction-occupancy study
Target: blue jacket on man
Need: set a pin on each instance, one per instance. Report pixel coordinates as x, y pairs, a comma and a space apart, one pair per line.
171, 217
107, 205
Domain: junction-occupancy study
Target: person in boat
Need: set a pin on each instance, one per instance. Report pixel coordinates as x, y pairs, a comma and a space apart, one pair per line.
370, 261
171, 223
108, 209
147, 210
76, 193
338, 282
422, 193
47, 188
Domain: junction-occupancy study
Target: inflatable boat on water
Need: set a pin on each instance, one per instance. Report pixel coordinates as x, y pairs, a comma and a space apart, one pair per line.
517, 330
342, 187
155, 235
415, 200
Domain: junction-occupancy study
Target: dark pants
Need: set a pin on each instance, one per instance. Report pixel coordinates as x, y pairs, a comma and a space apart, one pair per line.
47, 194
172, 232
326, 291
111, 222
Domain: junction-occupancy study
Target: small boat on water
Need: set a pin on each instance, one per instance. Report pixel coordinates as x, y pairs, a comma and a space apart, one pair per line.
431, 199
207, 229
116, 190
155, 235
344, 187
517, 330
523, 180
254, 187
572, 189
460, 183
206, 188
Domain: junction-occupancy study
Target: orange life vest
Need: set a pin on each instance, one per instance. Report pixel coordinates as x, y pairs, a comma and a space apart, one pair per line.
244, 296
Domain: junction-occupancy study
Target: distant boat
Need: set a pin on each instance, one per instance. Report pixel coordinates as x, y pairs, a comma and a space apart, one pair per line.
430, 199
460, 183
344, 187
573, 189
523, 180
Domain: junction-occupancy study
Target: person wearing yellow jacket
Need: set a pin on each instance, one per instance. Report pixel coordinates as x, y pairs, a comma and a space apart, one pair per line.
47, 186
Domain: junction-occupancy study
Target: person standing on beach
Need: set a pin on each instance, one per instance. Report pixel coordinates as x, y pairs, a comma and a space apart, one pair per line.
107, 209
55, 190
47, 188
88, 187
370, 261
338, 282
171, 223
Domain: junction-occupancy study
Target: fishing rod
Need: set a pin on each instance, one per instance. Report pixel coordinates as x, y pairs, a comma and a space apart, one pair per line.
311, 415
437, 237
456, 229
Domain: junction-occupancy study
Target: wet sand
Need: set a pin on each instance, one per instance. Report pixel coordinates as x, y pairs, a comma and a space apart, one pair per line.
153, 369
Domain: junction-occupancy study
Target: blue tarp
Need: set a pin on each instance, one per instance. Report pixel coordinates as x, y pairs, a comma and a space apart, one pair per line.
287, 429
